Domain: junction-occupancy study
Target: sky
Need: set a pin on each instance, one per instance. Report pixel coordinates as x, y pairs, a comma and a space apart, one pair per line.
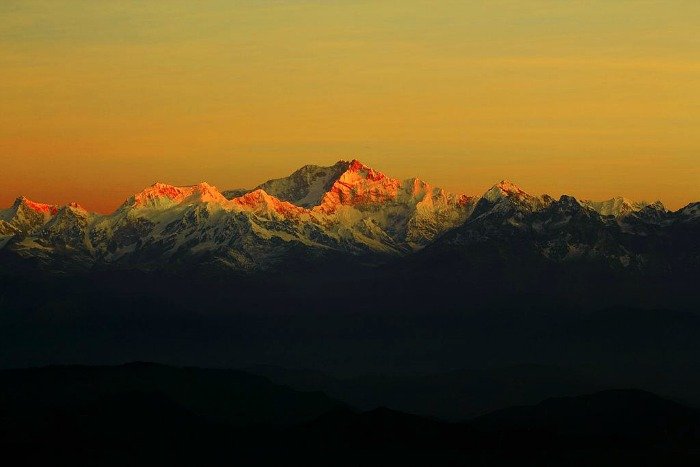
99, 99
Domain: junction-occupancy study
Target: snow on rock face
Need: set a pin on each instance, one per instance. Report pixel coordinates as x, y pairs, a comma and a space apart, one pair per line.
691, 211
505, 189
45, 209
346, 208
506, 196
69, 226
262, 204
306, 186
352, 199
160, 195
359, 185
28, 216
616, 207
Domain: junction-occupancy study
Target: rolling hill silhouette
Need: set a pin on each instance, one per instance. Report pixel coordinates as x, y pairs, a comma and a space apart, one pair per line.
154, 414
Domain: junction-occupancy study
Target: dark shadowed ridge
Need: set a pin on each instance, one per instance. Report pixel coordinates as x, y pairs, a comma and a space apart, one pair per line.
150, 414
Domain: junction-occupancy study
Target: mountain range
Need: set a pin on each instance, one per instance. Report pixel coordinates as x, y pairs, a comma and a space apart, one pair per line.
349, 211
396, 292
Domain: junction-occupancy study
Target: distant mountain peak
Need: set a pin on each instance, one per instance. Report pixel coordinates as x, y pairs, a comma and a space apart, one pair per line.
618, 206
354, 165
306, 186
49, 209
657, 205
359, 185
366, 172
505, 189
260, 202
75, 206
160, 194
74, 209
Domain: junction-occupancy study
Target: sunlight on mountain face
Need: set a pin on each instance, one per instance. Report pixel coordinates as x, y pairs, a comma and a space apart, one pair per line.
347, 208
406, 308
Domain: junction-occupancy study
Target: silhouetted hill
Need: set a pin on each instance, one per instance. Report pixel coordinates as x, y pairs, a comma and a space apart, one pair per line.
232, 397
453, 395
349, 328
146, 414
622, 416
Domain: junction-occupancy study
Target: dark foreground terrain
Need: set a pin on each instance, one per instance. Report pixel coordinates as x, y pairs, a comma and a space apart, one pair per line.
149, 414
445, 343
443, 347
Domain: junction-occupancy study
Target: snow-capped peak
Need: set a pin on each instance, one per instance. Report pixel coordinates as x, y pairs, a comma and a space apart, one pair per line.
505, 189
359, 185
657, 205
617, 206
346, 207
261, 203
42, 208
164, 195
75, 207
306, 186
26, 216
357, 167
72, 209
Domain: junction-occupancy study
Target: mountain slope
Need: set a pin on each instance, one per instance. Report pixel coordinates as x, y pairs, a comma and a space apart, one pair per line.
306, 186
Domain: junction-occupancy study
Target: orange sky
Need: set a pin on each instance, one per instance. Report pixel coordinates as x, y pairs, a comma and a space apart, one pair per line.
595, 98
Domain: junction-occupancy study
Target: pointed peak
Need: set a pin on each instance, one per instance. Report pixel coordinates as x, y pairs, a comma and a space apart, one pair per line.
75, 208
568, 199
308, 185
657, 205
509, 187
42, 208
205, 186
355, 165
255, 198
358, 171
257, 194
567, 203
259, 201
18, 201
505, 189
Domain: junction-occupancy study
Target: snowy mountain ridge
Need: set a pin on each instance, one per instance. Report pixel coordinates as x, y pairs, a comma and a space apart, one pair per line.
347, 208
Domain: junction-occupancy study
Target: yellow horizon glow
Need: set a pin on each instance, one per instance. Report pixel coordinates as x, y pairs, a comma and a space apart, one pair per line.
594, 99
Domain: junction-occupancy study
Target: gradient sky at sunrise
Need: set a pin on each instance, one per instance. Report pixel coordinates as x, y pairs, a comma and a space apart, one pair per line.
594, 98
